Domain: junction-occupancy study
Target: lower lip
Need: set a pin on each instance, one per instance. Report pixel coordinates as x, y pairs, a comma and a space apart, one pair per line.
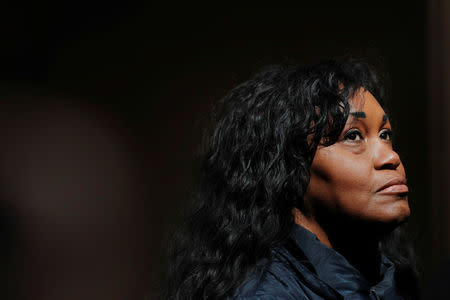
395, 189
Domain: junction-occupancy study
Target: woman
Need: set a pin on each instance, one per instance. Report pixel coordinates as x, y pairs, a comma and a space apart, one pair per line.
301, 195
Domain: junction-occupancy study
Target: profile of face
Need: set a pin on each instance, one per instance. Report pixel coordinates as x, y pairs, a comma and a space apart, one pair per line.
360, 176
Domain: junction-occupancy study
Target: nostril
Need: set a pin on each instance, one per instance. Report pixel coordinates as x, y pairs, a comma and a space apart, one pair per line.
389, 166
388, 160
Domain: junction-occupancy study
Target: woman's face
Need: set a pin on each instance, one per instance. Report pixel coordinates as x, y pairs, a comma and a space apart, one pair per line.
360, 176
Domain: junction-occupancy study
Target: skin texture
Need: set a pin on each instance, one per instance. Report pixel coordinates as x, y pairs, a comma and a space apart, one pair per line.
346, 178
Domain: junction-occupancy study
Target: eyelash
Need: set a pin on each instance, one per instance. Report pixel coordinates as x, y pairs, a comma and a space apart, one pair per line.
388, 132
352, 132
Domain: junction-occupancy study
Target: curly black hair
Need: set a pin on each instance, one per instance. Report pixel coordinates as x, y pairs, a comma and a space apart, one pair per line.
256, 168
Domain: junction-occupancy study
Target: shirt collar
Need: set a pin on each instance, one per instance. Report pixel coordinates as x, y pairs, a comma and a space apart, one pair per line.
334, 269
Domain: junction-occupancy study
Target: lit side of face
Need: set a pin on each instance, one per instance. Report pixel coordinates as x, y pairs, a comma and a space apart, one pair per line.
360, 176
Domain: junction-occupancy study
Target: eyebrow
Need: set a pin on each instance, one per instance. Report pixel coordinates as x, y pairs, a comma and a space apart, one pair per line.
359, 114
362, 115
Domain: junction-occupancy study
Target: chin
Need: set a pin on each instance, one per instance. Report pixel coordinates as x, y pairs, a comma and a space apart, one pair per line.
399, 212
390, 219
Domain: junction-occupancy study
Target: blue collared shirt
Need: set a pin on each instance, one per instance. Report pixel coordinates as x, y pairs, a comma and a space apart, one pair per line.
305, 268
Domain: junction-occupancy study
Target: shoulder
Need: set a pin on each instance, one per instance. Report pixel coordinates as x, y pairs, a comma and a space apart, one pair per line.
275, 281
268, 297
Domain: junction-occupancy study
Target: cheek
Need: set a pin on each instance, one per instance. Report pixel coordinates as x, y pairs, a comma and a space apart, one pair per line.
339, 181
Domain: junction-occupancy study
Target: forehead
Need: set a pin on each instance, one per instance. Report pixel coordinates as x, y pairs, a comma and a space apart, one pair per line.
363, 104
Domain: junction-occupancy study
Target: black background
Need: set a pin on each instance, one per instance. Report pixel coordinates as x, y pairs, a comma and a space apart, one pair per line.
151, 73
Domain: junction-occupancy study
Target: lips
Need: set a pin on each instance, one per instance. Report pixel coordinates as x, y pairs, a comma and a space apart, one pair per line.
394, 186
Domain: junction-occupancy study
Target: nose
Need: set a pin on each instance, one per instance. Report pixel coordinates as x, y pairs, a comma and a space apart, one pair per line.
386, 158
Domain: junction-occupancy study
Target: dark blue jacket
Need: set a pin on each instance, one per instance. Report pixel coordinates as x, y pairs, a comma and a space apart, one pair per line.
307, 269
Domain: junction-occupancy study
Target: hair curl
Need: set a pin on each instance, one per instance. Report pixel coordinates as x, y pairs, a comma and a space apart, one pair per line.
256, 169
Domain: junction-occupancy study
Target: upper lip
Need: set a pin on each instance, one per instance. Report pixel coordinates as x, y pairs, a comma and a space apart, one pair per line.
393, 181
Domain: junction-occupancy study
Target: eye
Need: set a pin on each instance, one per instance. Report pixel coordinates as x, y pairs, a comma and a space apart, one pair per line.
386, 134
353, 135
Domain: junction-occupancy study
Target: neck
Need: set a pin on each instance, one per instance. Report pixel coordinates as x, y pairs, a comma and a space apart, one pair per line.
312, 225
349, 239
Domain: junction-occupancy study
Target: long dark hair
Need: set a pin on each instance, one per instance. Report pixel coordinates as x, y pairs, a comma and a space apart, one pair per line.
255, 169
